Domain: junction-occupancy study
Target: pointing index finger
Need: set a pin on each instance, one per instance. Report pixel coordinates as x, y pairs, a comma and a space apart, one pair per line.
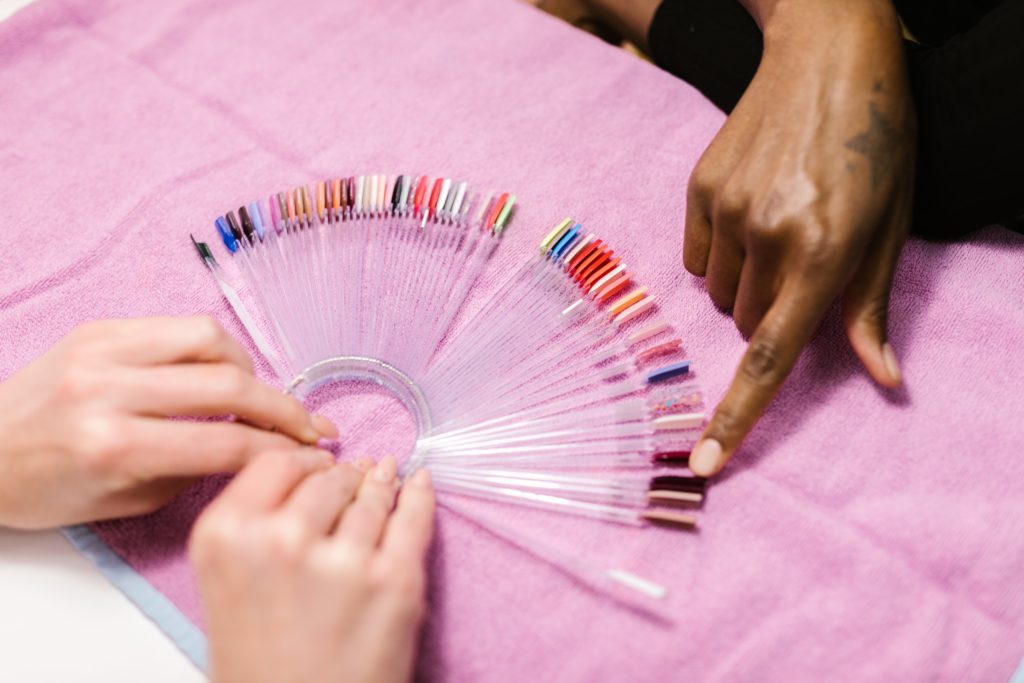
773, 350
221, 389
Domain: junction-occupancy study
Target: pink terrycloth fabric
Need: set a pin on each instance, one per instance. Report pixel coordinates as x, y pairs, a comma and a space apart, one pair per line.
860, 535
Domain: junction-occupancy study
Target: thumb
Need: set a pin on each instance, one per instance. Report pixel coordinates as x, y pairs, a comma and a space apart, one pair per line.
866, 309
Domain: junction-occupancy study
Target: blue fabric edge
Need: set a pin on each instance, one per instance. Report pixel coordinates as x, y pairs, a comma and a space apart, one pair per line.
1019, 676
155, 605
151, 602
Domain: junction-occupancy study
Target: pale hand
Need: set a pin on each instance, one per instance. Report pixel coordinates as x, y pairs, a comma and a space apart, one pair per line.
84, 433
307, 575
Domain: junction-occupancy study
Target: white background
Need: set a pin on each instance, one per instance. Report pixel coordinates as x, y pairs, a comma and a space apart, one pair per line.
60, 620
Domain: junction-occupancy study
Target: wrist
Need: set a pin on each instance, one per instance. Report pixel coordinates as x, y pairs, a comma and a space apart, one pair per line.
799, 23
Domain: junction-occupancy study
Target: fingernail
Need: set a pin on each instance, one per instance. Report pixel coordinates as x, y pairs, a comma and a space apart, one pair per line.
421, 479
324, 427
362, 464
386, 469
706, 458
891, 364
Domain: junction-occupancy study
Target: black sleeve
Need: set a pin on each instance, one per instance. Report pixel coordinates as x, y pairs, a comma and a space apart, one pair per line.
969, 94
713, 45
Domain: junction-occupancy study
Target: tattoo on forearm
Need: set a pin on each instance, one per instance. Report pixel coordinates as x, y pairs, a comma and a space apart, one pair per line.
877, 145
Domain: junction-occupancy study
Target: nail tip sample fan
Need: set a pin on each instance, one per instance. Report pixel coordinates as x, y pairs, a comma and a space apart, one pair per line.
557, 390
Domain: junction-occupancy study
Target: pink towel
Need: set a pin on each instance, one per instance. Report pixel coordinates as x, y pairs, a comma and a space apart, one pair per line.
860, 535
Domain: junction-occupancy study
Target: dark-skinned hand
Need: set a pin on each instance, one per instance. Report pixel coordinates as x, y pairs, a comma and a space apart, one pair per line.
804, 196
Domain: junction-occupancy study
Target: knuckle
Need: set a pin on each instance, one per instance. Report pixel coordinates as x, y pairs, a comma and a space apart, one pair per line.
702, 185
336, 563
722, 295
695, 253
732, 206
233, 442
270, 459
726, 423
694, 266
347, 474
820, 265
76, 383
772, 217
364, 515
214, 535
762, 363
207, 331
711, 171
292, 411
746, 322
290, 461
230, 380
287, 538
820, 248
102, 446
765, 231
383, 503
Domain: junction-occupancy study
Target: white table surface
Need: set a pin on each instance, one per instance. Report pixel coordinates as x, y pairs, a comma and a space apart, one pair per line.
61, 621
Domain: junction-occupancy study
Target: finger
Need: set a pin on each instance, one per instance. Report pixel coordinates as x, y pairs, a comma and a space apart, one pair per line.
866, 308
717, 163
363, 522
727, 253
697, 234
219, 389
725, 263
770, 356
149, 341
408, 532
318, 501
758, 287
155, 448
363, 465
265, 484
